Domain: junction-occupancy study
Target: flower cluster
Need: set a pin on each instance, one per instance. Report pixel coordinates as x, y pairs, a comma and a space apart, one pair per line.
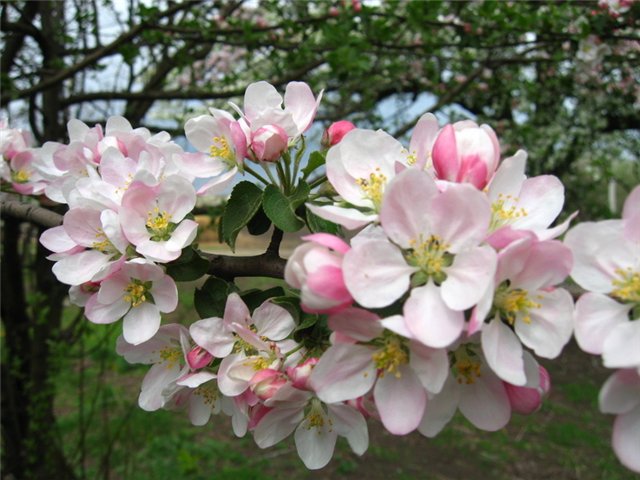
607, 317
440, 298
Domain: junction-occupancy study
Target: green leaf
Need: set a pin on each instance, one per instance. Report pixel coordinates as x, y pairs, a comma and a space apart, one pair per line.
242, 206
280, 210
308, 320
317, 224
316, 159
299, 195
188, 267
211, 298
254, 298
259, 223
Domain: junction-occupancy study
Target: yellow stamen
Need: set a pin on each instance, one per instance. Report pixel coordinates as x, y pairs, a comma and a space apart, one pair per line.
467, 370
103, 244
511, 303
391, 357
208, 393
20, 176
373, 187
627, 286
430, 256
505, 210
220, 149
172, 356
136, 293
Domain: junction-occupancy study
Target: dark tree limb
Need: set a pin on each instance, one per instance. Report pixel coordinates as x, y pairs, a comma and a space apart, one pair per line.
31, 213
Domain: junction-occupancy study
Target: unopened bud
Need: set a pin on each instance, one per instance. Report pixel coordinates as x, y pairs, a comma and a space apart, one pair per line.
299, 374
198, 358
335, 133
265, 383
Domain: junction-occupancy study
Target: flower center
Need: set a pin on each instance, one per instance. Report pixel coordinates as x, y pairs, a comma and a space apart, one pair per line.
171, 355
391, 356
316, 416
627, 285
103, 244
220, 149
514, 303
431, 257
159, 225
136, 292
466, 366
504, 211
373, 187
20, 176
208, 393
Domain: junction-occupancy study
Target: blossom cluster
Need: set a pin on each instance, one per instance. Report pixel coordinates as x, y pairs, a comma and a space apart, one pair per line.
607, 265
443, 293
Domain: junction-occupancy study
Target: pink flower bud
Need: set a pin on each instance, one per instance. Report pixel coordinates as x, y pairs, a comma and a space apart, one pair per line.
466, 153
527, 400
198, 358
336, 132
299, 375
268, 143
356, 5
324, 289
334, 12
265, 383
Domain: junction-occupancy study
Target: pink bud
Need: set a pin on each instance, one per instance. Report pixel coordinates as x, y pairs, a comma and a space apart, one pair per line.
336, 132
198, 358
357, 5
466, 153
299, 374
265, 383
334, 12
527, 400
268, 143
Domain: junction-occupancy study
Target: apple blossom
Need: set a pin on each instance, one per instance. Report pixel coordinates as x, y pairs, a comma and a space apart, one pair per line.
436, 250
620, 395
607, 262
139, 291
359, 168
153, 218
316, 269
524, 306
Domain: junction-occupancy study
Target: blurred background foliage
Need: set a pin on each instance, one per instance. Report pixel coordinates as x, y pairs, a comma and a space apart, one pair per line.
559, 79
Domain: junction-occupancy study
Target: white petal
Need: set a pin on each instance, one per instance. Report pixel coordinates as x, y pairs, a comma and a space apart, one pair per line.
315, 445
503, 352
141, 323
376, 274
429, 318
469, 277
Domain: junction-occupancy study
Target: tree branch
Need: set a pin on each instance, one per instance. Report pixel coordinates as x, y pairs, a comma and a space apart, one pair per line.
31, 213
228, 267
95, 56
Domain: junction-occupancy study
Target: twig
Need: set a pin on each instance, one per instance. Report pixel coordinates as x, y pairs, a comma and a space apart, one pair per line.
31, 213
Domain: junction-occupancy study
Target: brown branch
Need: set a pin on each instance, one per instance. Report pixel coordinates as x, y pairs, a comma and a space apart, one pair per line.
228, 267
152, 95
31, 213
